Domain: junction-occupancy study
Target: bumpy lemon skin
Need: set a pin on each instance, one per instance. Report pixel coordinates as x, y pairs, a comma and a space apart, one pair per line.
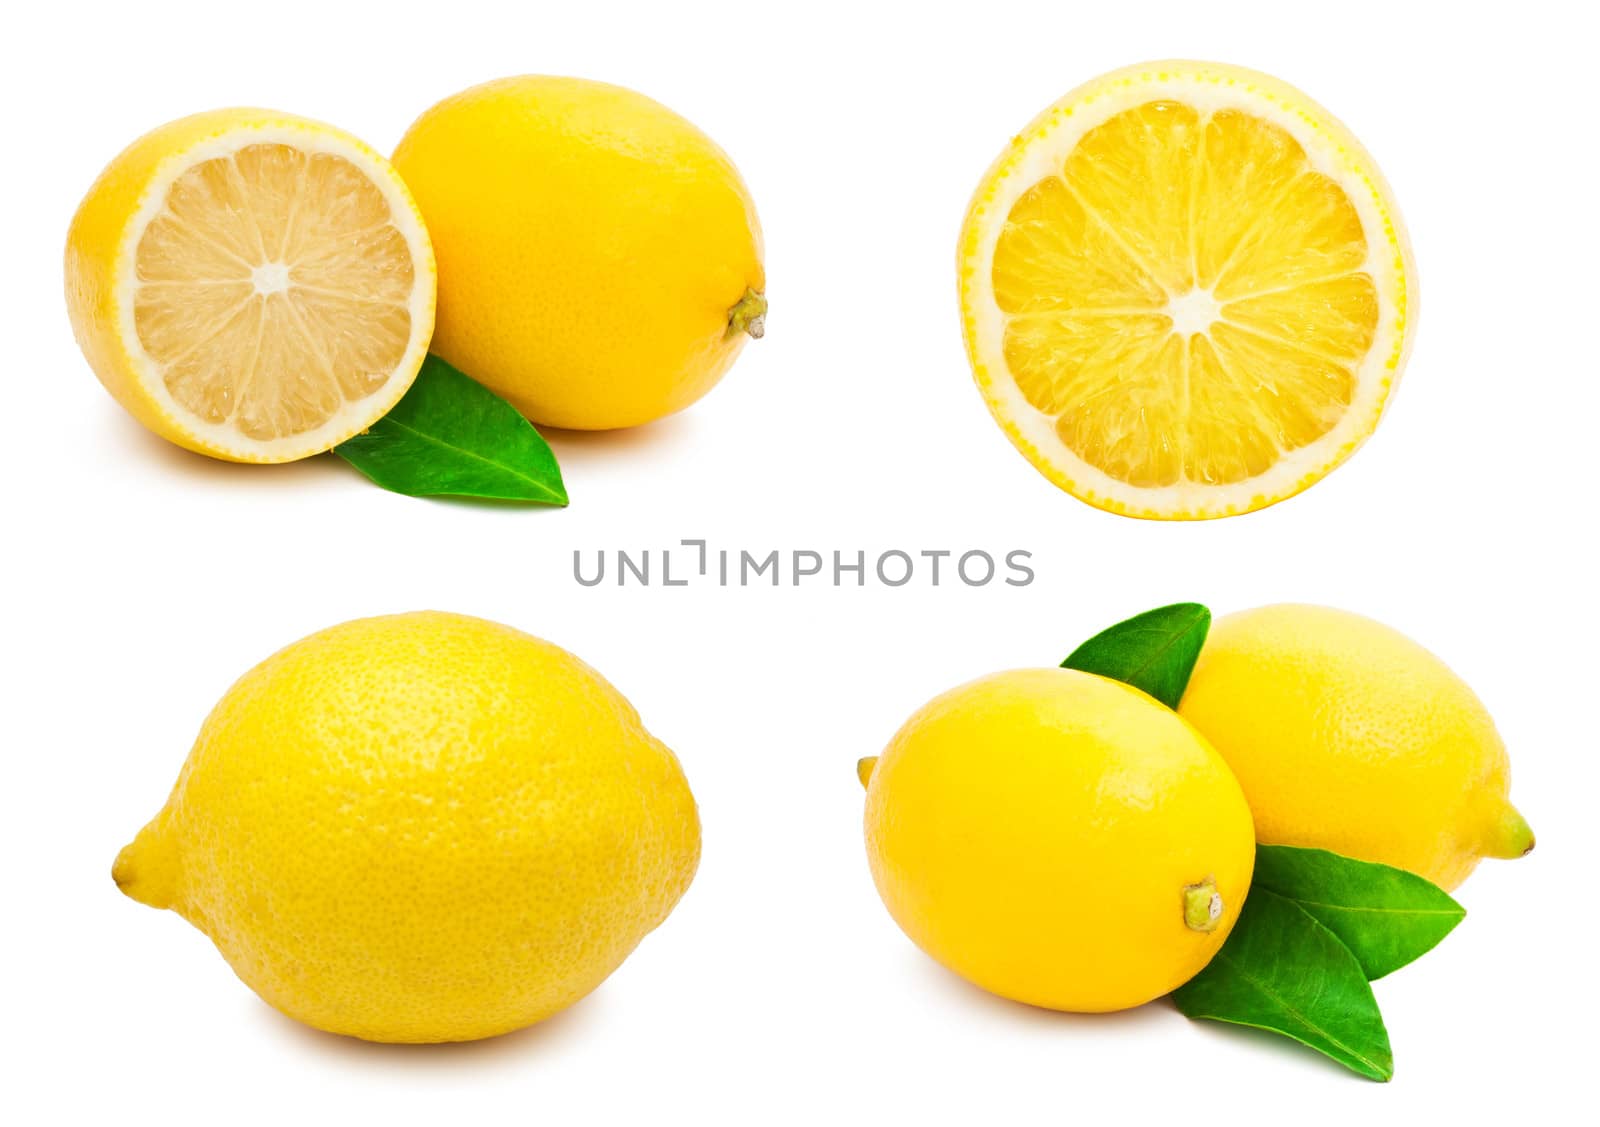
1346, 735
101, 243
1036, 831
421, 828
592, 246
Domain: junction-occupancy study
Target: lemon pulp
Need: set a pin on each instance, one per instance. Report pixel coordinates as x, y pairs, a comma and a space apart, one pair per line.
1190, 306
251, 285
272, 288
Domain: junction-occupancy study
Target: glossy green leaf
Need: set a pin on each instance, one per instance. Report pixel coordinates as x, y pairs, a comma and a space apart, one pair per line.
451, 436
1282, 971
1154, 651
1386, 916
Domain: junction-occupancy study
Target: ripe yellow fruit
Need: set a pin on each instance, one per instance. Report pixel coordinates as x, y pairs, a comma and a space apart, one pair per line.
251, 285
1059, 839
423, 827
1346, 735
599, 257
1186, 291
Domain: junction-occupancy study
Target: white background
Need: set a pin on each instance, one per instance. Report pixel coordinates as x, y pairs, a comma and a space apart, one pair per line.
142, 580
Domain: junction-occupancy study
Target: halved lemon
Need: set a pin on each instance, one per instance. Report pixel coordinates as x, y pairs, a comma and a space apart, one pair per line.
1186, 291
251, 285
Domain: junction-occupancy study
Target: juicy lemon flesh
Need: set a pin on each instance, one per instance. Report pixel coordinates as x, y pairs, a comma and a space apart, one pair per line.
1186, 296
272, 289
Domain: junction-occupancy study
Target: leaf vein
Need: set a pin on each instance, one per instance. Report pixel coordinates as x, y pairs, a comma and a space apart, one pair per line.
462, 450
1453, 913
1288, 1008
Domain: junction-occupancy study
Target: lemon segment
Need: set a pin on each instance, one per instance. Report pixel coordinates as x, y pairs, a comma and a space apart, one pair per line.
251, 285
1185, 292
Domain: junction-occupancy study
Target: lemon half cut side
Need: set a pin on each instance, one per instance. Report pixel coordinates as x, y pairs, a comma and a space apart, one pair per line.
1186, 291
251, 285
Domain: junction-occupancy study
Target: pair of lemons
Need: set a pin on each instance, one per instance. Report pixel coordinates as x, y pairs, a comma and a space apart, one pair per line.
260, 287
429, 827
1066, 840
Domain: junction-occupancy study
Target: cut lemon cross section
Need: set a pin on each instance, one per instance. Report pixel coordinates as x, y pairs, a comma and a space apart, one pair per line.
1186, 291
251, 285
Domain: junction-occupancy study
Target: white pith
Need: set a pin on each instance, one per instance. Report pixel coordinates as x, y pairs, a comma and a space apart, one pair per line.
1041, 151
353, 416
270, 278
1192, 312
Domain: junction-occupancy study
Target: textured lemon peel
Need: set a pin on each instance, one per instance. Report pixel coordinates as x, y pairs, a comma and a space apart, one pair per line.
146, 869
421, 824
1510, 836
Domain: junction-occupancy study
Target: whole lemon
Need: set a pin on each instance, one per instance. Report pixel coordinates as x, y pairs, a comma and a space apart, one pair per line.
600, 261
1058, 838
1346, 735
423, 827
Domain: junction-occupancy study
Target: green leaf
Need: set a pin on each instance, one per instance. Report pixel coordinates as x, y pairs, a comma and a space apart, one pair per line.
451, 436
1386, 916
1282, 971
1154, 651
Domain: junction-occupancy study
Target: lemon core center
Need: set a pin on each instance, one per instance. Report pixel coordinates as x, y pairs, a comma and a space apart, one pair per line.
270, 278
1193, 312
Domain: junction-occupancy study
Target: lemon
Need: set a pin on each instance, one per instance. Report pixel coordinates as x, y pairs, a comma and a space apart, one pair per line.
1186, 291
1059, 839
599, 256
423, 827
1346, 735
251, 285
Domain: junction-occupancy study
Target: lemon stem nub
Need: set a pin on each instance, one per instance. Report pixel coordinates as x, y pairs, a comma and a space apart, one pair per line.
1202, 906
749, 316
147, 869
1511, 836
864, 768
